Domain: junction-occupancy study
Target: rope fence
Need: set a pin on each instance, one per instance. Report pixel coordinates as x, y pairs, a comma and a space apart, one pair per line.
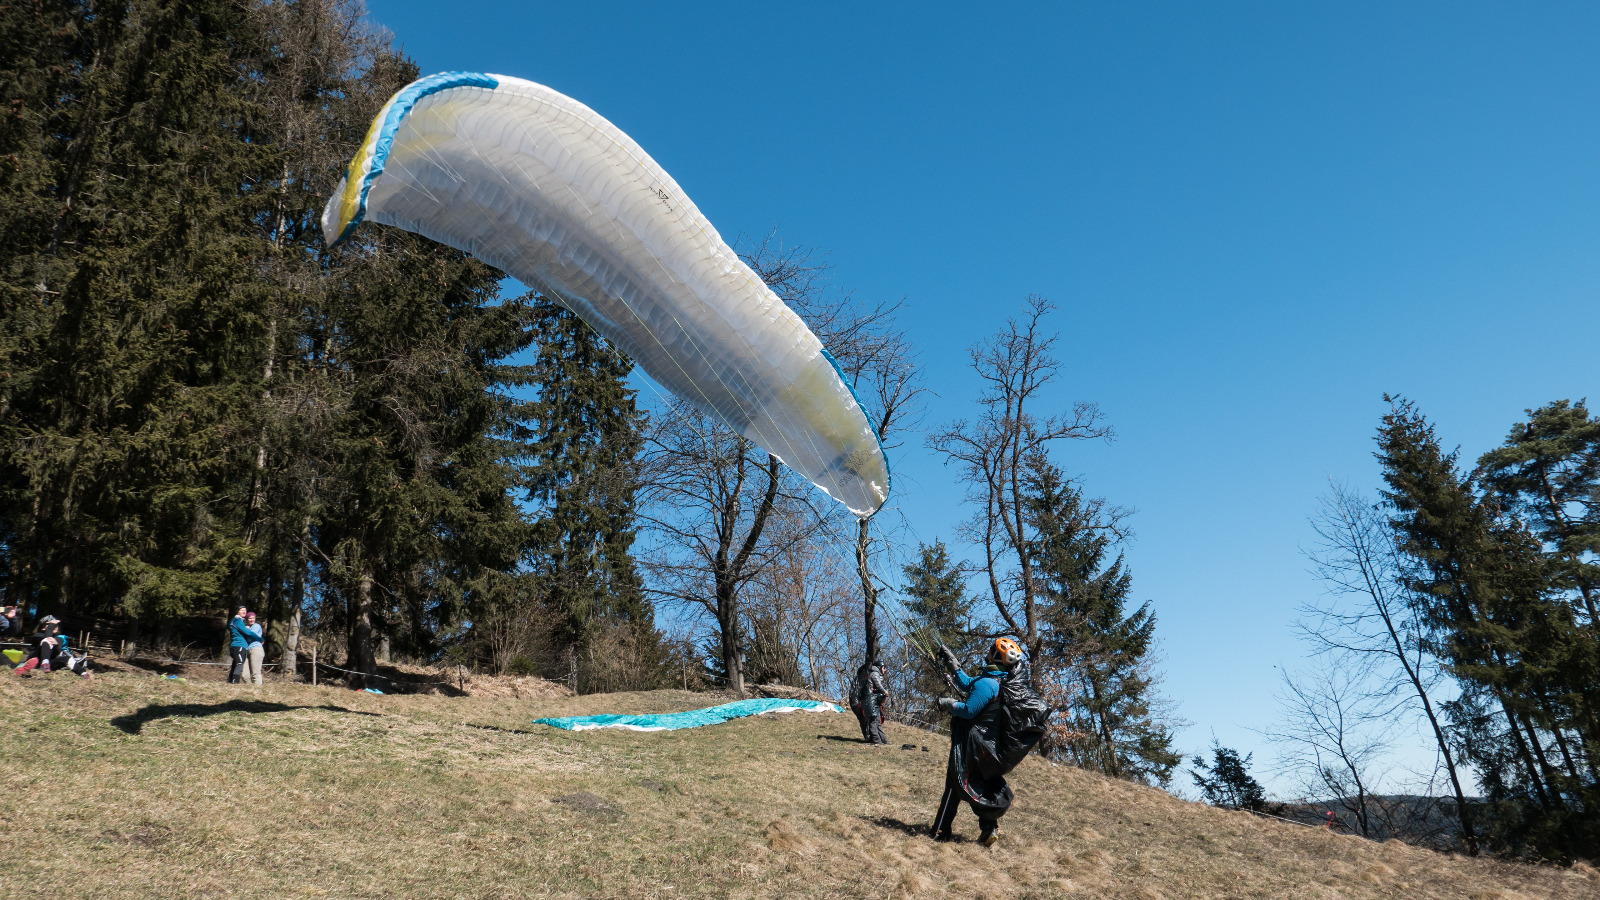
313, 663
1267, 815
87, 648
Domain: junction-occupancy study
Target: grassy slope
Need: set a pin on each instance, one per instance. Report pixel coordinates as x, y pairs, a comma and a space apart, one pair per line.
132, 786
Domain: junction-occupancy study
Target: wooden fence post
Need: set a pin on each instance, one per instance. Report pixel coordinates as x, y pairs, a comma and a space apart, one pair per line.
313, 665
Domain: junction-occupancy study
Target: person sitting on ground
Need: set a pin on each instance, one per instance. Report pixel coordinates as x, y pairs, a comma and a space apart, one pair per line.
980, 691
238, 640
253, 651
46, 643
867, 697
62, 659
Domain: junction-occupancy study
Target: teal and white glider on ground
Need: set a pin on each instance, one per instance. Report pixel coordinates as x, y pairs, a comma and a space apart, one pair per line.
540, 186
694, 718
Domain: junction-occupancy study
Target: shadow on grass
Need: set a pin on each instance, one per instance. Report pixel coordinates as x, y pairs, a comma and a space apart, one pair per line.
893, 824
497, 728
159, 667
842, 740
134, 723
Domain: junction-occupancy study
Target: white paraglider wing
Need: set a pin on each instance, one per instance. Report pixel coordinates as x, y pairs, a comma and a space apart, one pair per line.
540, 186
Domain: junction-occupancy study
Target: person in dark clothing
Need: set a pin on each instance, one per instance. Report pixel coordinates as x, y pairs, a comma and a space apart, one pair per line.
47, 644
867, 697
10, 621
988, 801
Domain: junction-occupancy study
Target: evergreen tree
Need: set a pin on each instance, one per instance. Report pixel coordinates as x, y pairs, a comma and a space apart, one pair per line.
936, 587
1486, 591
130, 315
581, 471
1548, 472
940, 610
200, 404
1092, 643
417, 494
1226, 781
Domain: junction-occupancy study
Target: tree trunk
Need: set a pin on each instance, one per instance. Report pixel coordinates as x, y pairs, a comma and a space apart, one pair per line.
291, 629
1469, 834
361, 658
1535, 773
730, 573
258, 496
1112, 764
728, 623
869, 592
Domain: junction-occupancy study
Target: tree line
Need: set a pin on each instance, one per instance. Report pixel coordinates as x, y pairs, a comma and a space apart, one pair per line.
387, 454
1463, 606
205, 408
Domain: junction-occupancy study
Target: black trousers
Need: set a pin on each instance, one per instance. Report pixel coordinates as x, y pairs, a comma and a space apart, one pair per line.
237, 655
871, 722
950, 804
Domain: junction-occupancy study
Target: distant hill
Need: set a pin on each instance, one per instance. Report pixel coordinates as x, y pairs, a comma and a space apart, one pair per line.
134, 786
1424, 821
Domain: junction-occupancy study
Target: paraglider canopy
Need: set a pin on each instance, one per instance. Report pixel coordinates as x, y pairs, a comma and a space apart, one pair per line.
540, 186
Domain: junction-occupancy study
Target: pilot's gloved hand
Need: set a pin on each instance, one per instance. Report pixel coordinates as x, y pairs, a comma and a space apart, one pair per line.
946, 704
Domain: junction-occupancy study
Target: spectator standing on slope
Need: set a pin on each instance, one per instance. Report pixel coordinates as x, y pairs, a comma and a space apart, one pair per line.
253, 650
238, 640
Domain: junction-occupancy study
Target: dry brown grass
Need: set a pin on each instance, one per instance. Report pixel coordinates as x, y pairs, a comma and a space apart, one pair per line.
131, 786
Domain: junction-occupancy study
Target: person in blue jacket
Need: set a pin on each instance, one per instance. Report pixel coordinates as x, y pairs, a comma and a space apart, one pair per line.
253, 651
980, 691
239, 639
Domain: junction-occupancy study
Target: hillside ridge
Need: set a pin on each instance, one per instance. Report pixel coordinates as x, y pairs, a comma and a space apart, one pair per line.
133, 786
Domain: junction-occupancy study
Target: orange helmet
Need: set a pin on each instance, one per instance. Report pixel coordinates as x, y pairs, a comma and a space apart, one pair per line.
1006, 651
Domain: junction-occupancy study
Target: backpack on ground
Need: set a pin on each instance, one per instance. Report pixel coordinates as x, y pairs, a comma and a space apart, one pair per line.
1018, 723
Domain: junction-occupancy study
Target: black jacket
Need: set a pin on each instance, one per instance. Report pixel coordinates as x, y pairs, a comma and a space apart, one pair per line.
990, 796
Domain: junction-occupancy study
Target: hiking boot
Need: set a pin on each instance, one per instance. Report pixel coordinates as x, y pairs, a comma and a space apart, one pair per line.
943, 836
989, 837
27, 667
44, 666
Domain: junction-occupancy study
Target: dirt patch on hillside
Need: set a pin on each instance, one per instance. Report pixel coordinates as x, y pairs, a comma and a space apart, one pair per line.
393, 678
785, 692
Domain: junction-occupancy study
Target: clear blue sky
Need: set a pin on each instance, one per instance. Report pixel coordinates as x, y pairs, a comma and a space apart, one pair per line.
1256, 219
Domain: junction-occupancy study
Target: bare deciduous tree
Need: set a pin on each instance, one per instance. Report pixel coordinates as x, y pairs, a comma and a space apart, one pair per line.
1370, 615
1334, 734
807, 592
712, 495
879, 363
707, 495
1015, 365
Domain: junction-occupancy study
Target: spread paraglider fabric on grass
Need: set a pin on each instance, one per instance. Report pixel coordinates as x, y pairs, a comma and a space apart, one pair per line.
693, 718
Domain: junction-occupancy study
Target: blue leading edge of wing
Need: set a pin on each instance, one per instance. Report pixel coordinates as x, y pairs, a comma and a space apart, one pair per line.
888, 473
402, 104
